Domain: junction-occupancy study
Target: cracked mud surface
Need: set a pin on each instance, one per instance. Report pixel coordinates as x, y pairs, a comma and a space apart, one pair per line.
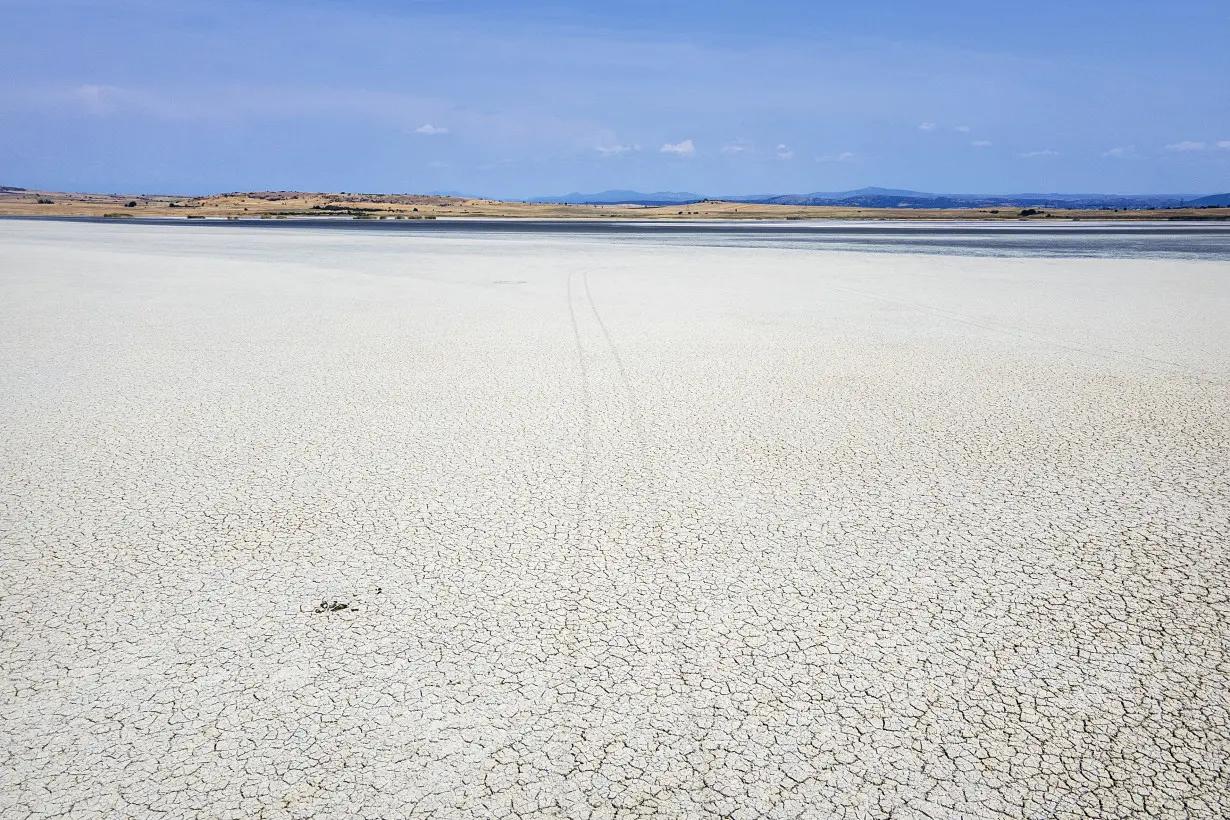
621, 528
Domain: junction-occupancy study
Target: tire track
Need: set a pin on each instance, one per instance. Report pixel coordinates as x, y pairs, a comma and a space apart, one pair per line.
634, 410
585, 417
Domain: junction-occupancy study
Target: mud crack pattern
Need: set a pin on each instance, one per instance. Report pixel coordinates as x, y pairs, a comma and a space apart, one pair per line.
320, 524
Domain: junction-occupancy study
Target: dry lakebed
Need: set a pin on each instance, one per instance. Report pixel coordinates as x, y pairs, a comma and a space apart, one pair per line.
526, 520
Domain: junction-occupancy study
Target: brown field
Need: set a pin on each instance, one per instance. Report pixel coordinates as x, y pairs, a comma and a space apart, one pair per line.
287, 204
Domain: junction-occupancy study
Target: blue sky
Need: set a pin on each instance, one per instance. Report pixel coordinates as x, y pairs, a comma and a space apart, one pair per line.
509, 99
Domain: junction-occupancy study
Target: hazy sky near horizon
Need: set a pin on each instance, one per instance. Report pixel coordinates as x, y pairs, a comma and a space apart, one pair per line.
525, 99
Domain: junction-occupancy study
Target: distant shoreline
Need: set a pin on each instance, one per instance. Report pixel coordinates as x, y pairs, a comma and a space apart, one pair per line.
411, 207
842, 225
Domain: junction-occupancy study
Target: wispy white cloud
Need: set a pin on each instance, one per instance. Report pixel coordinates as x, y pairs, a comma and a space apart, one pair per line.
964, 129
679, 149
1045, 152
980, 143
616, 150
101, 100
928, 126
1121, 152
399, 113
98, 101
1223, 143
735, 148
844, 156
223, 103
783, 152
1186, 145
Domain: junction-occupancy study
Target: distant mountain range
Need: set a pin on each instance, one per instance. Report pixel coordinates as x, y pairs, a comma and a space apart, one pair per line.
1214, 201
899, 198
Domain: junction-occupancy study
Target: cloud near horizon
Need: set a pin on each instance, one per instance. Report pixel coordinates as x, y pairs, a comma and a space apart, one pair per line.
679, 149
784, 152
928, 126
1196, 145
1045, 152
616, 150
430, 130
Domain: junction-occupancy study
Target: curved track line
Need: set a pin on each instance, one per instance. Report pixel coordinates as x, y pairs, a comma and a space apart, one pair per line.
583, 436
634, 410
